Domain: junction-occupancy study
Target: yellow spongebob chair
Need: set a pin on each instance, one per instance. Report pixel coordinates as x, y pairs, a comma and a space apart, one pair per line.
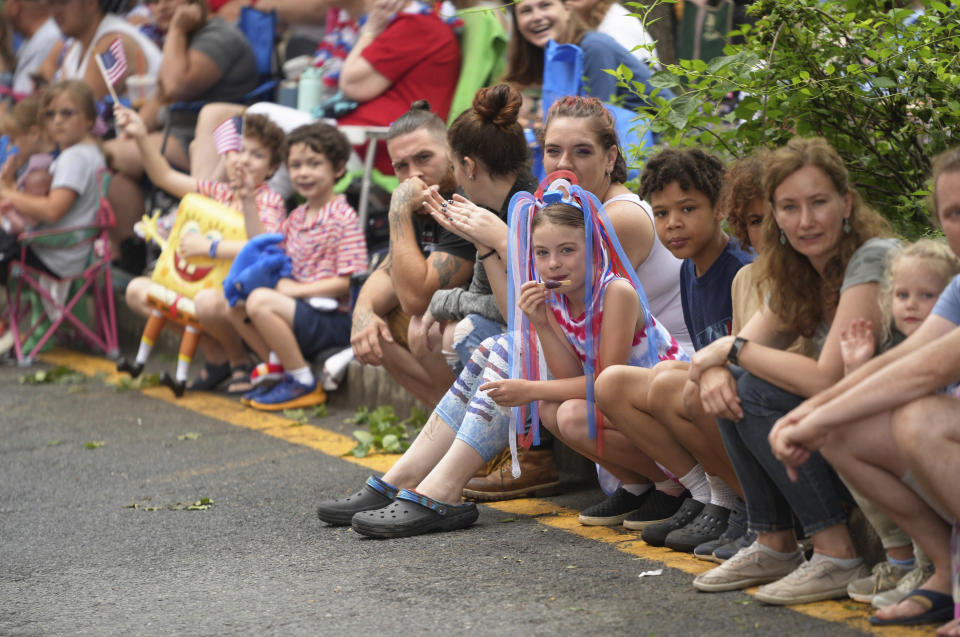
176, 280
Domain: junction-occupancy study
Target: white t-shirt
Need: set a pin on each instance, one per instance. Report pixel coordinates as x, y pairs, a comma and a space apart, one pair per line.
659, 275
626, 29
75, 168
32, 53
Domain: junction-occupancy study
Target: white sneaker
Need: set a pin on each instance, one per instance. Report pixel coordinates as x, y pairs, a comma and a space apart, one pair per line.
912, 580
749, 566
883, 577
815, 580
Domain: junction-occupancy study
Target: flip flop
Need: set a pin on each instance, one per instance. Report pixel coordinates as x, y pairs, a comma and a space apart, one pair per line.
414, 514
938, 607
211, 376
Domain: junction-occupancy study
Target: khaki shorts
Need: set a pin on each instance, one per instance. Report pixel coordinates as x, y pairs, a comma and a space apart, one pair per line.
399, 323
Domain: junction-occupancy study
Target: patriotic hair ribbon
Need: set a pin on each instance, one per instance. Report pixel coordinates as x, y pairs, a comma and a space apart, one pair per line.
227, 137
605, 260
114, 62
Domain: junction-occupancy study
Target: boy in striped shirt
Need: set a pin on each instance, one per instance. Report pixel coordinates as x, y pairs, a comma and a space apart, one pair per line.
308, 312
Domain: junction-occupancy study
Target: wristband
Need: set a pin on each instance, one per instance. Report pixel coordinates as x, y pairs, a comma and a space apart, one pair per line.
213, 248
733, 356
489, 254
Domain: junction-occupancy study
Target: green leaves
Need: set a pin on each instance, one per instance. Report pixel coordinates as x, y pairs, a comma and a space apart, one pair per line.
301, 416
884, 93
60, 375
384, 434
144, 381
198, 505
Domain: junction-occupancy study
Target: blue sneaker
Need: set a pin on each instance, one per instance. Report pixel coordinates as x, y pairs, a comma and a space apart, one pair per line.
256, 392
289, 394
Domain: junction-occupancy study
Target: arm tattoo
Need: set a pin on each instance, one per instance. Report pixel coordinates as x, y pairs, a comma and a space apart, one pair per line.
446, 265
399, 211
359, 322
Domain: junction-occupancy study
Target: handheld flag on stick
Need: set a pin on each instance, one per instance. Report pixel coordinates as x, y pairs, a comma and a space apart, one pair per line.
227, 136
113, 66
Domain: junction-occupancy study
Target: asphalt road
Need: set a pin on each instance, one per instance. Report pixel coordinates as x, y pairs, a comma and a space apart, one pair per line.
76, 558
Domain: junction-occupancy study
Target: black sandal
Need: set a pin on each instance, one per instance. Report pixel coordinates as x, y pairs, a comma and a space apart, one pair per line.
211, 376
240, 379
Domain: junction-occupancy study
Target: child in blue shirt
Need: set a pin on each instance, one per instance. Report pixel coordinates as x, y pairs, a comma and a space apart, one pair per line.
683, 188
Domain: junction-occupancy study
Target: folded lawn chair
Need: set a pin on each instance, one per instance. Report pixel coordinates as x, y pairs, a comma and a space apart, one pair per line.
40, 304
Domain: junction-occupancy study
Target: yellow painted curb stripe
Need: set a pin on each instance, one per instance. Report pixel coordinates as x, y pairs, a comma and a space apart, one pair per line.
544, 512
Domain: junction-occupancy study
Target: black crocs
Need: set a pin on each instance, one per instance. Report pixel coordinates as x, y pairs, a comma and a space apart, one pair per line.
656, 534
375, 494
414, 514
709, 525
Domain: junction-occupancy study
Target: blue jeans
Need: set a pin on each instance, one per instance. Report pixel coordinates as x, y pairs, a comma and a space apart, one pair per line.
817, 497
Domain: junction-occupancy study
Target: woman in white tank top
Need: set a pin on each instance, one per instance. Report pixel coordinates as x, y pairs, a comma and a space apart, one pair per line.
579, 137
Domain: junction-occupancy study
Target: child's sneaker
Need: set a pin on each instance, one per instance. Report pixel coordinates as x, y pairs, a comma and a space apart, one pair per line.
266, 372
256, 392
289, 394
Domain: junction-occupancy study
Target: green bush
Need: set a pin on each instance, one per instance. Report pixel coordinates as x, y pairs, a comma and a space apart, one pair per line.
886, 95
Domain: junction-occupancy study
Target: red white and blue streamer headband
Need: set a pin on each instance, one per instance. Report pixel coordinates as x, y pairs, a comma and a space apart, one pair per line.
605, 258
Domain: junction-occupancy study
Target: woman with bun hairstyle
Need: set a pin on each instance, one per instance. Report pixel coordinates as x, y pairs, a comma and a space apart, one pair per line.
490, 165
821, 265
536, 22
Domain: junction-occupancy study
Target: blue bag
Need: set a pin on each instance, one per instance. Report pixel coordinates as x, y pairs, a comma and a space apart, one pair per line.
563, 75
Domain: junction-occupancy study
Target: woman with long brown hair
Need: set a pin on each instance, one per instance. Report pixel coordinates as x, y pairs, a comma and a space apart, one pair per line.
822, 263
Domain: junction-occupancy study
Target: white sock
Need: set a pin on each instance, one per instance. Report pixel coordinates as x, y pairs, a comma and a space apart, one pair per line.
304, 376
839, 561
637, 489
273, 359
778, 554
183, 370
720, 493
669, 487
696, 483
143, 353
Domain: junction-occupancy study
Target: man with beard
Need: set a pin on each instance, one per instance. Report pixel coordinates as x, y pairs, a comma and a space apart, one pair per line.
423, 258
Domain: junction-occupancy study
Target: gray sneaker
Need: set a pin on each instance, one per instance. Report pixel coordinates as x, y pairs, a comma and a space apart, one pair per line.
812, 581
750, 566
912, 580
884, 577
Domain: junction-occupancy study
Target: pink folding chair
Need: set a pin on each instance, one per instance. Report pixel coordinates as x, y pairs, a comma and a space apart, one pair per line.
28, 286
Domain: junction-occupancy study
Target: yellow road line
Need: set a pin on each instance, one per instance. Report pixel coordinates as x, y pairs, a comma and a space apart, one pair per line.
544, 512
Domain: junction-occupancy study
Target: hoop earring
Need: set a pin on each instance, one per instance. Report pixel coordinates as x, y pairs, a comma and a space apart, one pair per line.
783, 237
846, 226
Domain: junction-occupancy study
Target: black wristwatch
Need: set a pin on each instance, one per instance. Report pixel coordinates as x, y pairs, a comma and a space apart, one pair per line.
733, 356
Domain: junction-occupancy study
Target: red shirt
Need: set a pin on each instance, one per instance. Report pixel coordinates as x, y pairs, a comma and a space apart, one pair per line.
420, 56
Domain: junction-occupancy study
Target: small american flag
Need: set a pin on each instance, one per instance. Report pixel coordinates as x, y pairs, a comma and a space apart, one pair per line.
114, 62
226, 136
